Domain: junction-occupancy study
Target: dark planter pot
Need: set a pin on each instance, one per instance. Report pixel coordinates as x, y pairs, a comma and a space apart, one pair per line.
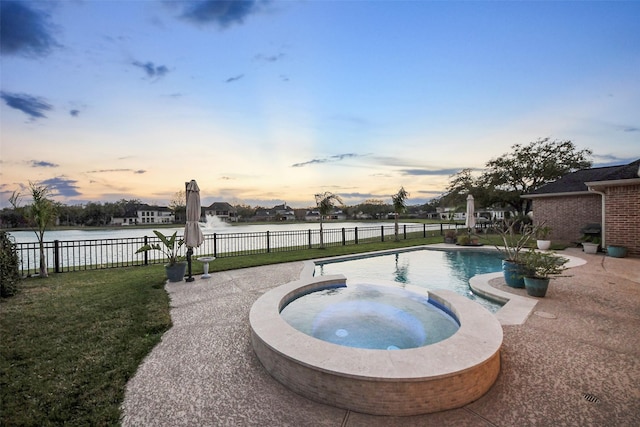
617, 251
175, 272
513, 273
536, 287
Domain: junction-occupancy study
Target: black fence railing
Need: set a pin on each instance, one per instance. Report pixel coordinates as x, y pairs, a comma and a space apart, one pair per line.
73, 255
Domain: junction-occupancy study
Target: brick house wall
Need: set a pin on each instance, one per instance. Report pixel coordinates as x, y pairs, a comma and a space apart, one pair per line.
622, 217
566, 215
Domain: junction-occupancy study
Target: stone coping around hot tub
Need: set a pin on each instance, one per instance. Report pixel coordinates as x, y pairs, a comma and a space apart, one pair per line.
516, 309
478, 339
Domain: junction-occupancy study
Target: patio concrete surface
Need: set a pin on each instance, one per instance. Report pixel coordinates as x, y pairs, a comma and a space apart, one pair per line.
574, 362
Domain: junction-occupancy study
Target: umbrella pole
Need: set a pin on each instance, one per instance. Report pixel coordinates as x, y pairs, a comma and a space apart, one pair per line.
189, 249
189, 254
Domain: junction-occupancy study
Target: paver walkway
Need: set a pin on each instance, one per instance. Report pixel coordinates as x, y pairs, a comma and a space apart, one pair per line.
574, 362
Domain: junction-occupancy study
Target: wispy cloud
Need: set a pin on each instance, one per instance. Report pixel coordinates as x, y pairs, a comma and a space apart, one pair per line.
269, 58
32, 106
24, 30
61, 186
222, 13
418, 172
234, 79
139, 171
604, 160
152, 70
74, 113
42, 164
330, 159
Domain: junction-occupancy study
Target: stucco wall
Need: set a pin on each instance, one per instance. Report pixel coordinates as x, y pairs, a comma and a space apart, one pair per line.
568, 214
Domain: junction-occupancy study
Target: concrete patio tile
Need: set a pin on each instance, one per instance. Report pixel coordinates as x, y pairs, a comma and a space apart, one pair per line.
575, 361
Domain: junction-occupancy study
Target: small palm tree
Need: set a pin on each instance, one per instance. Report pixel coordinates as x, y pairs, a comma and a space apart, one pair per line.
325, 202
42, 214
399, 206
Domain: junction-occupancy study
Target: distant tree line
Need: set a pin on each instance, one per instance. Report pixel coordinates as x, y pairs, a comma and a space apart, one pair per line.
90, 214
96, 214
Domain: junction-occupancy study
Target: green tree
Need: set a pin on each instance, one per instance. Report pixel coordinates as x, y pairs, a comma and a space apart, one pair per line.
325, 202
245, 211
399, 206
528, 167
70, 215
178, 205
9, 264
42, 214
521, 171
373, 207
460, 186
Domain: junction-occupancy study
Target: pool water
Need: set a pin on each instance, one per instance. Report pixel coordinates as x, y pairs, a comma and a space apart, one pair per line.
370, 316
430, 269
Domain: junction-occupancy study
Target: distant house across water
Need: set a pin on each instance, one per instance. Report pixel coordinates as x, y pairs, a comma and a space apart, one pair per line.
222, 210
281, 212
145, 214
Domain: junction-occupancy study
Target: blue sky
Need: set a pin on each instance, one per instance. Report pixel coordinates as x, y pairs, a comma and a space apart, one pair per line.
265, 102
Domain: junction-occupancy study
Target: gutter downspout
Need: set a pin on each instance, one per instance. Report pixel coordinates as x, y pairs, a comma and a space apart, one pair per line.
602, 226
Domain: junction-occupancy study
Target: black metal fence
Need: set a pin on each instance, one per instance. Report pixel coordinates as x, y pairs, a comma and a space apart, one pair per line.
73, 255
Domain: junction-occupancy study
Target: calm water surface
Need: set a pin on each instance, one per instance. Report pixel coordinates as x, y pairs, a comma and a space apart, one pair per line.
207, 228
430, 269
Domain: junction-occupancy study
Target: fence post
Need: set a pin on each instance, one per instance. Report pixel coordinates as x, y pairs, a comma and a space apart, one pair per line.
404, 231
268, 243
382, 232
56, 255
424, 230
309, 238
215, 244
344, 237
441, 229
356, 234
146, 253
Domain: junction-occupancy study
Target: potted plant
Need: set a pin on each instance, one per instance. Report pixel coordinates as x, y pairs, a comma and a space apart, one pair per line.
590, 244
450, 236
540, 268
515, 236
616, 251
542, 234
169, 247
468, 240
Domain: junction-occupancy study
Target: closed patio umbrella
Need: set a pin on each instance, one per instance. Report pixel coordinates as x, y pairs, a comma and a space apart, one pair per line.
193, 236
470, 219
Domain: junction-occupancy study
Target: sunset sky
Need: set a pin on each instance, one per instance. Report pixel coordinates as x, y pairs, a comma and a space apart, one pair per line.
265, 102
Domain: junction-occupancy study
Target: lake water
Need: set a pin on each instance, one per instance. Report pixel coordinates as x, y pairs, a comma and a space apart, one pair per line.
210, 227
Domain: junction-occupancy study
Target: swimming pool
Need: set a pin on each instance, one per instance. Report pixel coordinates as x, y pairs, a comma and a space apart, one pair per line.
430, 269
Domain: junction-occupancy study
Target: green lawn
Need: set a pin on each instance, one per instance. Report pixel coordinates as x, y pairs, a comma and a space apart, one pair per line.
71, 341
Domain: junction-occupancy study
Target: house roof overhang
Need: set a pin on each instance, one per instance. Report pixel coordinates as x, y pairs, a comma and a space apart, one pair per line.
613, 183
565, 194
592, 185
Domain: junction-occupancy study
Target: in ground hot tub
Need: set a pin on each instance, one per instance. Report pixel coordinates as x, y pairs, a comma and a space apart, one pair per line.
369, 316
423, 379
